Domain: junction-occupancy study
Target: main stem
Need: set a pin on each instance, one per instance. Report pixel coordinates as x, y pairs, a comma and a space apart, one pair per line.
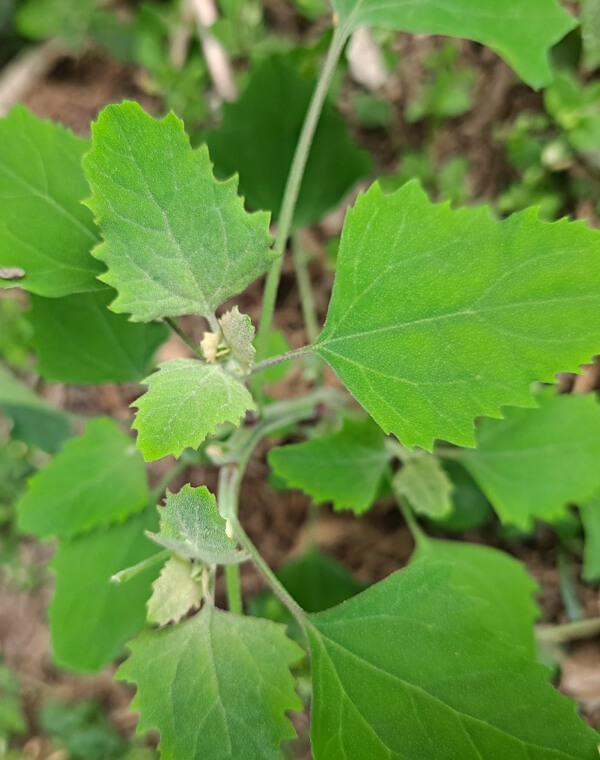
292, 187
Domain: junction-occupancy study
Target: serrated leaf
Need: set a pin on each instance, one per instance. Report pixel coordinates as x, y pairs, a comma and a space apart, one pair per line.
78, 340
191, 526
216, 686
176, 241
439, 316
256, 134
185, 401
494, 577
423, 481
536, 461
345, 467
90, 617
521, 31
34, 421
44, 229
407, 671
174, 592
590, 517
98, 478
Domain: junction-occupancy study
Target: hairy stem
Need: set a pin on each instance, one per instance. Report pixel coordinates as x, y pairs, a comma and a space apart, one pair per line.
266, 363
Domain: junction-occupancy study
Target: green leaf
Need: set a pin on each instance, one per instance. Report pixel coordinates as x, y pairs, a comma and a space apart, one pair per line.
521, 31
191, 526
44, 229
78, 340
423, 481
90, 617
176, 241
590, 516
470, 508
174, 592
536, 461
439, 316
98, 478
345, 467
216, 686
407, 671
34, 421
494, 577
257, 132
590, 32
185, 401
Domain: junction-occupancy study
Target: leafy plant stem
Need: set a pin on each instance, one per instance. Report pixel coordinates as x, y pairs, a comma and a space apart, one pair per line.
414, 527
292, 188
271, 362
563, 634
233, 587
172, 323
307, 301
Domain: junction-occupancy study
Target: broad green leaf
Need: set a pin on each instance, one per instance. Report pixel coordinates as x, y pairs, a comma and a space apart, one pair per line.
216, 686
90, 617
536, 461
174, 592
185, 401
423, 481
521, 31
345, 467
258, 137
590, 517
44, 229
98, 478
439, 316
191, 526
176, 241
78, 340
34, 421
496, 578
407, 671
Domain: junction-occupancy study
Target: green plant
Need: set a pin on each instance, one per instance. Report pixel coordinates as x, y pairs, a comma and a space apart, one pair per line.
437, 317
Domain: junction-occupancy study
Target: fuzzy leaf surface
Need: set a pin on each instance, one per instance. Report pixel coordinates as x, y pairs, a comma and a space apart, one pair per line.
407, 671
494, 577
79, 340
257, 133
90, 617
176, 241
535, 462
521, 31
185, 401
345, 467
174, 592
590, 517
44, 229
215, 686
439, 316
191, 526
424, 482
97, 478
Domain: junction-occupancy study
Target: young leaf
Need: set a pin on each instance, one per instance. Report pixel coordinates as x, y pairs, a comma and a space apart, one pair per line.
90, 617
176, 241
521, 31
256, 133
344, 467
590, 517
216, 686
174, 592
44, 229
78, 340
439, 316
407, 671
470, 508
98, 478
536, 461
494, 577
34, 421
233, 340
191, 526
185, 401
424, 482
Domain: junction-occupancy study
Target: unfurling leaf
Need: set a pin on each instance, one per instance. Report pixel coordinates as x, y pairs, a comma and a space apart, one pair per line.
232, 342
424, 482
439, 316
191, 526
176, 590
176, 241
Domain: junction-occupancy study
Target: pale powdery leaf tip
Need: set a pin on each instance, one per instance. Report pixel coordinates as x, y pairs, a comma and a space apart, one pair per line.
186, 400
176, 241
440, 316
424, 482
175, 592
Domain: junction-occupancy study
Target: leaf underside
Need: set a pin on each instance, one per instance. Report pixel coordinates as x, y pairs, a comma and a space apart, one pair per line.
424, 482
